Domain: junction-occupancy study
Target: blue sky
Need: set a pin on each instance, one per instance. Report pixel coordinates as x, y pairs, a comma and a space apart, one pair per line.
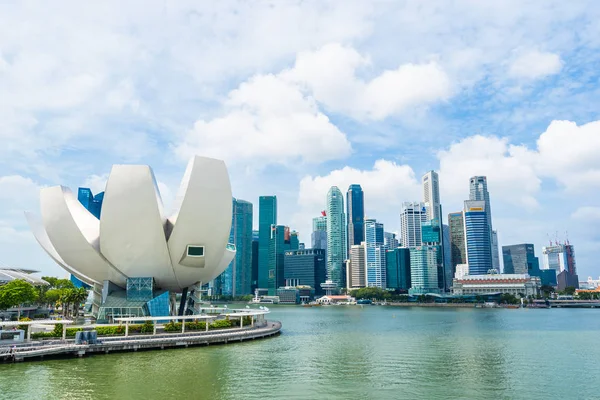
299, 96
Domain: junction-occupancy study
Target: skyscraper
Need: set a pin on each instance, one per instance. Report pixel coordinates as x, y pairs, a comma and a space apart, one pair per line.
477, 237
237, 278
495, 252
390, 240
357, 267
561, 257
458, 252
397, 267
355, 203
431, 195
267, 216
424, 261
336, 236
305, 267
478, 190
320, 223
375, 254
280, 241
520, 259
318, 237
254, 261
91, 203
411, 218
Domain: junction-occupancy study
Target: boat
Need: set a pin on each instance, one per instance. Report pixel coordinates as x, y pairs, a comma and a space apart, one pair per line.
364, 301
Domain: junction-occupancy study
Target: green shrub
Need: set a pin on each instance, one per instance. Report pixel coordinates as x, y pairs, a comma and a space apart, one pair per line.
39, 315
195, 326
172, 326
44, 335
147, 327
110, 330
221, 324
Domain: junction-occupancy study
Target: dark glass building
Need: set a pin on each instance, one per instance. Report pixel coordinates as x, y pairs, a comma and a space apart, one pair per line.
305, 268
92, 203
254, 284
458, 253
398, 269
355, 203
280, 241
267, 216
520, 259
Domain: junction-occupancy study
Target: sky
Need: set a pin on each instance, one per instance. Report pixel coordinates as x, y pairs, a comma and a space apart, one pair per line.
297, 96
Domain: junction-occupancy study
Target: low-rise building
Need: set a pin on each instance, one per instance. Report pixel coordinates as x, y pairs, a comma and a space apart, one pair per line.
335, 299
288, 295
515, 284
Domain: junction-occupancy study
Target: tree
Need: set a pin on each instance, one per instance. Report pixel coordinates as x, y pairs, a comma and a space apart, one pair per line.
17, 293
52, 296
570, 290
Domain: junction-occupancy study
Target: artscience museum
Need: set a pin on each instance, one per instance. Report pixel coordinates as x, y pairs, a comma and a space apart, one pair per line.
136, 258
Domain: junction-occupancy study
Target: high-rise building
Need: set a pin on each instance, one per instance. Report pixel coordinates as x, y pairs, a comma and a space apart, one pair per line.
398, 269
495, 252
411, 217
520, 259
267, 216
318, 237
91, 203
236, 280
355, 203
375, 254
280, 241
478, 190
561, 257
431, 195
390, 240
320, 223
356, 267
477, 237
424, 262
432, 234
336, 237
447, 257
254, 261
458, 251
305, 268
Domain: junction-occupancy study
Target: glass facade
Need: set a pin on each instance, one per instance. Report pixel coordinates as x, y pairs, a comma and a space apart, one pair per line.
458, 252
91, 203
355, 203
336, 237
159, 306
254, 284
520, 259
267, 216
398, 269
424, 262
78, 283
305, 268
140, 289
280, 241
411, 218
478, 191
477, 233
375, 254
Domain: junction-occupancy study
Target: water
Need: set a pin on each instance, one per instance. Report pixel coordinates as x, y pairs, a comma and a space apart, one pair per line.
349, 353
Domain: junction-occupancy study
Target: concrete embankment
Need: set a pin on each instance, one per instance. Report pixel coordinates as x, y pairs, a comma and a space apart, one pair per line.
106, 345
451, 305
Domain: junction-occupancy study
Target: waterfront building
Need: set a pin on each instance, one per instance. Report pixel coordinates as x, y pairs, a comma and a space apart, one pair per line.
413, 214
561, 257
91, 203
336, 237
254, 285
135, 258
267, 217
521, 285
495, 252
335, 299
78, 283
356, 267
477, 237
564, 280
520, 259
478, 191
355, 203
281, 240
236, 280
390, 240
398, 269
375, 254
305, 268
431, 195
461, 270
458, 251
447, 258
424, 263
288, 295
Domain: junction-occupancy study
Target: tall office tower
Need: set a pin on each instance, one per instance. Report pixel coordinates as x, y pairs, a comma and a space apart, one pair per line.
375, 254
336, 237
267, 216
432, 235
254, 261
91, 203
560, 257
478, 190
431, 195
447, 257
458, 251
357, 267
320, 223
411, 218
495, 252
305, 268
390, 240
477, 237
280, 241
355, 203
397, 265
241, 236
424, 261
520, 259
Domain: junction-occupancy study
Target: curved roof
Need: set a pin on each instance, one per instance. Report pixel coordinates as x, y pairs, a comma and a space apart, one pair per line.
7, 275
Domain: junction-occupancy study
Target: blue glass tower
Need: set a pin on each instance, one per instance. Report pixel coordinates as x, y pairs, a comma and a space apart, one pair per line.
280, 241
267, 216
355, 203
375, 254
397, 265
477, 234
92, 203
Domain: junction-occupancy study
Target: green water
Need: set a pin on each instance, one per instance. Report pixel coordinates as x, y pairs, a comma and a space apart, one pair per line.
349, 353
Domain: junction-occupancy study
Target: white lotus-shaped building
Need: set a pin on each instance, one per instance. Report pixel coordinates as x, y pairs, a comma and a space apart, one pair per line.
133, 238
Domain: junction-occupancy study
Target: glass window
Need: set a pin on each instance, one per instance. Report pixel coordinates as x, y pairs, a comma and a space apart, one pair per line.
195, 251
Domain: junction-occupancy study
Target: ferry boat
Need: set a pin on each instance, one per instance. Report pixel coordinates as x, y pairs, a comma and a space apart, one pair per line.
364, 301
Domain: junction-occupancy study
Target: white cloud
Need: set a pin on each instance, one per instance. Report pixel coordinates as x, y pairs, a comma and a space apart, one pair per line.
587, 214
268, 121
96, 183
535, 64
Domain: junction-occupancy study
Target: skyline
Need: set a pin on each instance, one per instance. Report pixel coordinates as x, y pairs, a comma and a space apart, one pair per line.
294, 110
